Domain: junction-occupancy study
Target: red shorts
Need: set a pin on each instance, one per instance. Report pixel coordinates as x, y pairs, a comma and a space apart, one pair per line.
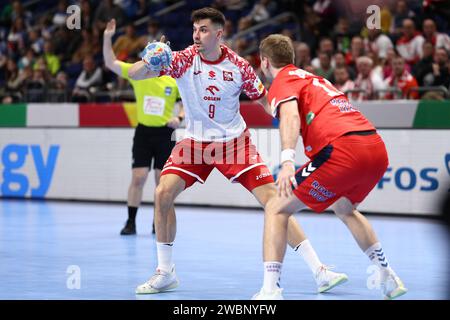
237, 159
350, 167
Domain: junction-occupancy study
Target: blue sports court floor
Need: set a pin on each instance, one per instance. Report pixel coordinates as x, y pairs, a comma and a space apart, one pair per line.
49, 249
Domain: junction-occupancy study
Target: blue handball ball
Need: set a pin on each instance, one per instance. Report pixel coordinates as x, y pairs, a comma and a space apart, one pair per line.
157, 56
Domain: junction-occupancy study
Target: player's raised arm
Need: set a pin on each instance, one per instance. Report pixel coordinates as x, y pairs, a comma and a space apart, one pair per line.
139, 71
155, 57
111, 61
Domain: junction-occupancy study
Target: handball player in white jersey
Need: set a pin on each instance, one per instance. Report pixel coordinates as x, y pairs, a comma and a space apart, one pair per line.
210, 78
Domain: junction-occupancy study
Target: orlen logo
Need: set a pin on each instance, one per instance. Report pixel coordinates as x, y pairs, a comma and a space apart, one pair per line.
16, 184
406, 178
211, 89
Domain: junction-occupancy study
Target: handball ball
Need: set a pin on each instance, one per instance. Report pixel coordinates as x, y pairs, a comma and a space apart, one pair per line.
157, 56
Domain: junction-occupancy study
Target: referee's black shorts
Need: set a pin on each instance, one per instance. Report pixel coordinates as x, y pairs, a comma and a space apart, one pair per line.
152, 144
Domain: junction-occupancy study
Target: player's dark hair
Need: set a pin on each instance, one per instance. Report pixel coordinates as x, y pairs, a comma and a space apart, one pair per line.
214, 15
279, 49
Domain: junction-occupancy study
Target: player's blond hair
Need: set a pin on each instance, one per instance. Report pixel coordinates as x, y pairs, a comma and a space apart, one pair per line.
279, 49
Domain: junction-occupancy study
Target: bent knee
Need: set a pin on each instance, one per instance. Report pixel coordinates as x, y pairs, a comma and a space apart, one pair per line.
343, 208
164, 193
138, 181
272, 206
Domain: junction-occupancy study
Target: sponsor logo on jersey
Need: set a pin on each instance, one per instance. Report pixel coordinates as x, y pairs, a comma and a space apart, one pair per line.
168, 91
344, 105
310, 117
227, 76
212, 90
259, 86
212, 75
263, 175
319, 192
211, 98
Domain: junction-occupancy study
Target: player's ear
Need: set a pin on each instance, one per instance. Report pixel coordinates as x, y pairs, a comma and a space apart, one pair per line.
219, 33
265, 62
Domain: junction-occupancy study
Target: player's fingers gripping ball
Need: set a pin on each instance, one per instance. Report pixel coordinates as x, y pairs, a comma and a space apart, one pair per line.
157, 56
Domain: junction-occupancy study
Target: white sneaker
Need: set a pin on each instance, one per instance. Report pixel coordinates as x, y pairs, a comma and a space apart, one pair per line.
392, 287
159, 282
274, 295
327, 279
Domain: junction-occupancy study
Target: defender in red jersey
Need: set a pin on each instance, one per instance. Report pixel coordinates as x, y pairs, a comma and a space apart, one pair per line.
210, 78
347, 155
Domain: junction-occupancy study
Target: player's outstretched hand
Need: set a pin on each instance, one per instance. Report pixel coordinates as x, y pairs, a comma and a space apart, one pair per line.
286, 177
110, 29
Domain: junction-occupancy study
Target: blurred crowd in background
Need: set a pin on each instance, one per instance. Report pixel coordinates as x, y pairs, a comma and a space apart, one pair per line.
42, 60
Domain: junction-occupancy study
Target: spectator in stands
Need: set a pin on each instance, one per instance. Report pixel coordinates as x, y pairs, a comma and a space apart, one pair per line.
409, 46
87, 18
89, 80
5, 14
36, 86
153, 33
377, 67
325, 70
106, 11
425, 65
27, 60
387, 63
248, 40
339, 59
52, 60
356, 51
127, 44
341, 35
386, 19
228, 32
439, 40
89, 47
65, 43
261, 10
378, 43
402, 80
60, 16
310, 23
441, 76
46, 27
402, 12
367, 80
18, 11
14, 81
342, 80
230, 5
326, 46
35, 41
302, 55
326, 11
16, 37
59, 87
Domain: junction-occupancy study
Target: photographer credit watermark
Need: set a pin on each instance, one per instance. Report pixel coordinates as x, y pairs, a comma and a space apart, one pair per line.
73, 21
74, 279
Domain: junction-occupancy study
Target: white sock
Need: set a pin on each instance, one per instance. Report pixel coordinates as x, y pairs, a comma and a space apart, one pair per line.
309, 255
272, 273
376, 255
164, 251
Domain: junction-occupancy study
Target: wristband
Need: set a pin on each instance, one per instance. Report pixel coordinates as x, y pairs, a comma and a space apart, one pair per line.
287, 155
